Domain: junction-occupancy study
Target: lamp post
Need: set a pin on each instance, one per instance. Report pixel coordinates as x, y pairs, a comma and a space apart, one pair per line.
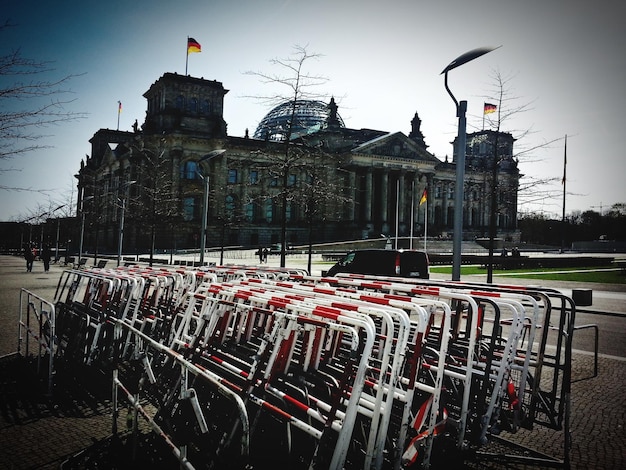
56, 254
205, 201
82, 225
461, 108
121, 234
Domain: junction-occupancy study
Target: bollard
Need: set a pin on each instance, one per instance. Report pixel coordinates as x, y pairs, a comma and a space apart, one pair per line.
582, 297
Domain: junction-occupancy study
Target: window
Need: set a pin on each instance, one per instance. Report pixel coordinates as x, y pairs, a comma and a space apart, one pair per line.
250, 212
232, 176
288, 213
188, 170
291, 180
193, 105
450, 191
254, 177
274, 181
438, 191
269, 210
229, 206
189, 205
205, 107
180, 102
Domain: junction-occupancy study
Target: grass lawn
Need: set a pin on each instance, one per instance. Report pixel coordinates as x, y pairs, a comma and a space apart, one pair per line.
587, 274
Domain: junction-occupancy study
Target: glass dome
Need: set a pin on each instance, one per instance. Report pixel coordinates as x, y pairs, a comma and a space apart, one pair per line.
310, 116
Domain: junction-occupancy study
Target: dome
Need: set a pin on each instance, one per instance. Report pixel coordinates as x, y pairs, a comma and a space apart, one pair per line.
310, 116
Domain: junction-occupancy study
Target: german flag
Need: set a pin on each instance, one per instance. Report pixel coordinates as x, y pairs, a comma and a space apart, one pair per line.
490, 108
193, 46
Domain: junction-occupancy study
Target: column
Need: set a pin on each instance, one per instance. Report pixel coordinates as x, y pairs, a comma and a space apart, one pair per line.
384, 193
355, 191
402, 200
368, 195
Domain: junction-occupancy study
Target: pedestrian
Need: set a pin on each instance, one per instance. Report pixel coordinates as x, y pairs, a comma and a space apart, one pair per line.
29, 256
46, 254
265, 252
260, 253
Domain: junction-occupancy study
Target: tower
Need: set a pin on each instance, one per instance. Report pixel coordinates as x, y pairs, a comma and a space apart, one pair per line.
184, 104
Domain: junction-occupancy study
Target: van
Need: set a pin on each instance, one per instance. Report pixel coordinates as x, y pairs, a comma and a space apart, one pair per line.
400, 263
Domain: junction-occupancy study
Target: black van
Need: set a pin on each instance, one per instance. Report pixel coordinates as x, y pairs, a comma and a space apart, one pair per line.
401, 263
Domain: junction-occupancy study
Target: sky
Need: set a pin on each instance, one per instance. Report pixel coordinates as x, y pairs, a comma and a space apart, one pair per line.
562, 62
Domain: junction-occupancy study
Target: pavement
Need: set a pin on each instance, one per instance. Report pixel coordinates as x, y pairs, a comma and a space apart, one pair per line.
40, 432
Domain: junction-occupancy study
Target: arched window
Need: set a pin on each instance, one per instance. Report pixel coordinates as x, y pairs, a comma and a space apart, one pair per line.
193, 105
188, 170
180, 102
205, 107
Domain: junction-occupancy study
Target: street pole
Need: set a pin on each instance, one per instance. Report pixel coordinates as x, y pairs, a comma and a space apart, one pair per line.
82, 234
205, 202
121, 236
457, 240
205, 208
461, 109
56, 254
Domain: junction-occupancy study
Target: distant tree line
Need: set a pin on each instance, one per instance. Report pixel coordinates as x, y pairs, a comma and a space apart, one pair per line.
577, 226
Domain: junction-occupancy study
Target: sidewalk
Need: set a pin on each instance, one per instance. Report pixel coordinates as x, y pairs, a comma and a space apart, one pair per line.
37, 433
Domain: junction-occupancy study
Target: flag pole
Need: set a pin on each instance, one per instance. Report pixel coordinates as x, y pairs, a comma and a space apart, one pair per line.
564, 181
119, 111
186, 55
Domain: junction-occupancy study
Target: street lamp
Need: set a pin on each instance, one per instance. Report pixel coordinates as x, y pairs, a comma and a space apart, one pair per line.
82, 225
205, 201
461, 108
56, 254
121, 235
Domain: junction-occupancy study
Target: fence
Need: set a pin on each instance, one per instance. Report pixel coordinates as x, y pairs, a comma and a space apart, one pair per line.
234, 365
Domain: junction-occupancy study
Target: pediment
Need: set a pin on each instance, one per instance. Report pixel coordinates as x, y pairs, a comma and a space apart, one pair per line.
395, 145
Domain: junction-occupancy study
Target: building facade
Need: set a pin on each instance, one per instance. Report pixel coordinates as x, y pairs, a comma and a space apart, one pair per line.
322, 182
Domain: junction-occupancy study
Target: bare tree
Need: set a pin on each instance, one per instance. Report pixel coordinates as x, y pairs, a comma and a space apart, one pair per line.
28, 104
294, 156
508, 107
157, 203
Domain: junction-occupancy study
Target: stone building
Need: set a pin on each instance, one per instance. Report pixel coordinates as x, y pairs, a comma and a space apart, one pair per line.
312, 177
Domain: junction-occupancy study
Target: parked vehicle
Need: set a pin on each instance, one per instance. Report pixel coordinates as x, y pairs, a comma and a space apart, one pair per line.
401, 263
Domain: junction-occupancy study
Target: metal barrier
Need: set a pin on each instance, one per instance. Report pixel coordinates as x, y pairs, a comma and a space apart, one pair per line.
37, 322
253, 366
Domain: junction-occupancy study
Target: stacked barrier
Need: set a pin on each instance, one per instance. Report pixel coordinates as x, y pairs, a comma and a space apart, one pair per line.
245, 367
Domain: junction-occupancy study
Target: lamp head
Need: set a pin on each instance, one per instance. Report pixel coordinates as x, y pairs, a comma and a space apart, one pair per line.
467, 57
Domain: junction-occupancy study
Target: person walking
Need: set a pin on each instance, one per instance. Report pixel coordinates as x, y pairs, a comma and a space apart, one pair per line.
46, 254
29, 256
